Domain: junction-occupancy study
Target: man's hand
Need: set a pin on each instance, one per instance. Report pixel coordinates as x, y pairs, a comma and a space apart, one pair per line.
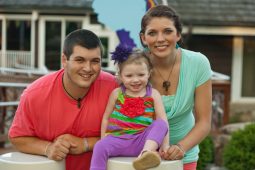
58, 150
76, 143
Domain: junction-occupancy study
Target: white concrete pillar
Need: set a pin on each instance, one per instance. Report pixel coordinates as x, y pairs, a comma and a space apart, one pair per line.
34, 18
22, 161
3, 50
125, 163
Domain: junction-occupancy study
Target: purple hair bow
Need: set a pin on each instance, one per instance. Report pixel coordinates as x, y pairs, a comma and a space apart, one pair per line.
121, 53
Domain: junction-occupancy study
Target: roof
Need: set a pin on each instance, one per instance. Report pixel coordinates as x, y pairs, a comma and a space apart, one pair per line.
27, 5
216, 12
192, 12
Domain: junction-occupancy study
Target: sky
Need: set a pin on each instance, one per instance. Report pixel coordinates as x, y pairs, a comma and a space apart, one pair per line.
121, 14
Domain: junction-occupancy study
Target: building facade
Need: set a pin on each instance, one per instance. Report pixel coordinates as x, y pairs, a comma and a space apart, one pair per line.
32, 34
32, 31
225, 32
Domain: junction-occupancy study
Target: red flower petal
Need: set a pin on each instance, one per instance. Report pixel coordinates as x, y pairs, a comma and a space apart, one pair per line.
133, 107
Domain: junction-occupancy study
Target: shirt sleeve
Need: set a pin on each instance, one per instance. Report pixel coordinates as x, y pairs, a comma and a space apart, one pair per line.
22, 123
204, 71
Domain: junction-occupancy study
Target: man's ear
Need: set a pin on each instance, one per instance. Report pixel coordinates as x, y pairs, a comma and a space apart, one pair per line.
63, 60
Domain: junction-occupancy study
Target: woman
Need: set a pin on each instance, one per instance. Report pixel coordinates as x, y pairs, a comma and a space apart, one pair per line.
183, 79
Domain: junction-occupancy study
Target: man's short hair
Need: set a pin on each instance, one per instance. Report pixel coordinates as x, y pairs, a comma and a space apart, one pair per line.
83, 38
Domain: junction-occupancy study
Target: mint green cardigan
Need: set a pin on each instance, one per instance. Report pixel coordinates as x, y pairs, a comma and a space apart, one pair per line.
194, 71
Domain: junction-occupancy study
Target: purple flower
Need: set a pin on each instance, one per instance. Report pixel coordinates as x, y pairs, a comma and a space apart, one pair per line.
121, 53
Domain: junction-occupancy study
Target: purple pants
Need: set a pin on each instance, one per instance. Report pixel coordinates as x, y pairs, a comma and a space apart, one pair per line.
126, 145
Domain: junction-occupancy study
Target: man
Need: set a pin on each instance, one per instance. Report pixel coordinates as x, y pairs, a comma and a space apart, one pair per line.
60, 114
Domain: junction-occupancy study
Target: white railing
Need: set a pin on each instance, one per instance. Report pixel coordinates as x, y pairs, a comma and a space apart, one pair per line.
16, 59
29, 72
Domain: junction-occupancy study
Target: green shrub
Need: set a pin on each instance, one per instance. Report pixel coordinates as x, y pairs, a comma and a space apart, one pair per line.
206, 153
239, 153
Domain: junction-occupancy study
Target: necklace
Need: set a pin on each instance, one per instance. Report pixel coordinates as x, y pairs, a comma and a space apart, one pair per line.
166, 83
78, 100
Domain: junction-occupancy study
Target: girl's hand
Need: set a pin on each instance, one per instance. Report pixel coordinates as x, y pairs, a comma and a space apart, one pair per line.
163, 149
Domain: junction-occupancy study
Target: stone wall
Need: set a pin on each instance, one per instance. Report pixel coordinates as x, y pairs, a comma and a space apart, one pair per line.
242, 111
19, 78
11, 94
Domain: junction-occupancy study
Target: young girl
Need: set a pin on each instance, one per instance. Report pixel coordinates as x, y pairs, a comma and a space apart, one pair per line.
134, 122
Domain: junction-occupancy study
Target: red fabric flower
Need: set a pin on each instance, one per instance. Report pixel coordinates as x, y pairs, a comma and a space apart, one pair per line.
133, 107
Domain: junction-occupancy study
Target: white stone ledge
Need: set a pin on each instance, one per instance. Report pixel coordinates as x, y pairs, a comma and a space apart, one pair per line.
22, 161
125, 163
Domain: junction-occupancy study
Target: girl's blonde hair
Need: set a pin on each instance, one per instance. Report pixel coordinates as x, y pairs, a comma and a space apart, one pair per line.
137, 56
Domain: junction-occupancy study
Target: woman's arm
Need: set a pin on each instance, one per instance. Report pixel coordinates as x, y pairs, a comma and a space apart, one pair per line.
203, 107
202, 112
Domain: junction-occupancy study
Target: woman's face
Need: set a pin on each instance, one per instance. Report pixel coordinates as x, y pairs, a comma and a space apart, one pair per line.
160, 36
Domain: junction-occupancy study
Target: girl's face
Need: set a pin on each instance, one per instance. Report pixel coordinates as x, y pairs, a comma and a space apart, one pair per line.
135, 77
160, 36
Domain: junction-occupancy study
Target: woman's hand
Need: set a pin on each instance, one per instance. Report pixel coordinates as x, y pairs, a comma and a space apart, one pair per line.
173, 152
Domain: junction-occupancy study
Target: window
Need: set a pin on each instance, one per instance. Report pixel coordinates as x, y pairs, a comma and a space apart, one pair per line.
54, 37
248, 81
104, 41
71, 26
53, 41
53, 45
218, 49
18, 35
0, 35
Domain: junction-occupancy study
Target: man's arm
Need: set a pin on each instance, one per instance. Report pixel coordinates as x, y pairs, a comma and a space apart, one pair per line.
78, 145
56, 150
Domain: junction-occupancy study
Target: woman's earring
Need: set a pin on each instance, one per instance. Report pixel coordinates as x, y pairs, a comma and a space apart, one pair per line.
146, 49
177, 46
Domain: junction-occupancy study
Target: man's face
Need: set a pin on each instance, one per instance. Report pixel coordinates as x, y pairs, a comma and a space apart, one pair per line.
83, 66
